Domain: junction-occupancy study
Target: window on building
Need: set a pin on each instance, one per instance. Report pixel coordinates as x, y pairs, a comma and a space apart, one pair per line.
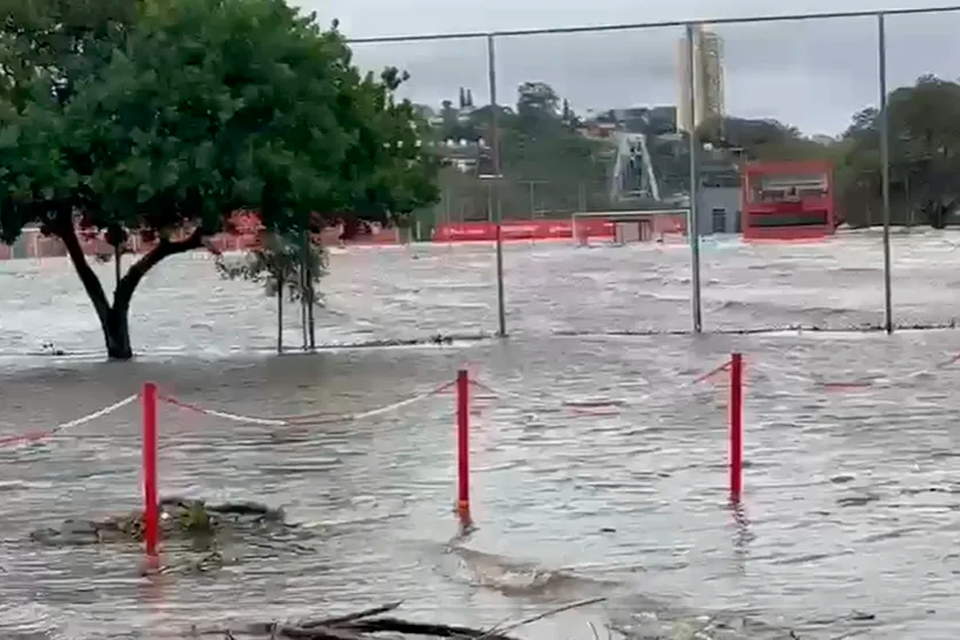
789, 219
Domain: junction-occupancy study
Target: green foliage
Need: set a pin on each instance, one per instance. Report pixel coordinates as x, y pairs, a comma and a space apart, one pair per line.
759, 139
194, 519
278, 262
924, 124
61, 40
215, 106
541, 142
166, 116
540, 145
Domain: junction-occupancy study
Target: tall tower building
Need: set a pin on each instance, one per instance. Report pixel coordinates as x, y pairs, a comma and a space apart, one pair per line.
707, 80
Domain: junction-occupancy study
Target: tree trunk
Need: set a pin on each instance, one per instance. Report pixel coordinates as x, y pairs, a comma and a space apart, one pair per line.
311, 295
306, 291
280, 285
114, 318
116, 332
117, 268
303, 310
311, 319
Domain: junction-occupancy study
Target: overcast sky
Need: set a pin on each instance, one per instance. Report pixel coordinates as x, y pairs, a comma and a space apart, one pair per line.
811, 74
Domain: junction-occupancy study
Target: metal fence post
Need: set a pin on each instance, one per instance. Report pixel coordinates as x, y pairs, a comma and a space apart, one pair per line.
885, 170
498, 177
585, 199
693, 231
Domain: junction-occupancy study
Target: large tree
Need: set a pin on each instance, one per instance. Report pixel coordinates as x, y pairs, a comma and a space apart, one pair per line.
202, 108
924, 124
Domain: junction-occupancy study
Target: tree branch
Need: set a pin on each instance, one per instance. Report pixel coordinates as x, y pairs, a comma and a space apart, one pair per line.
164, 249
91, 283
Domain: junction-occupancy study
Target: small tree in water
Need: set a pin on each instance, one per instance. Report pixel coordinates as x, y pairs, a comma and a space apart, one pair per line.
284, 269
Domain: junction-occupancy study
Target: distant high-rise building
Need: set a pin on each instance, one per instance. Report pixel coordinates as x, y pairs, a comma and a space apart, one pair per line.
707, 80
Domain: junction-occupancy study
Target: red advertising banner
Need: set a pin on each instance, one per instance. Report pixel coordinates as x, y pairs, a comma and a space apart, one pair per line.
245, 235
670, 224
521, 230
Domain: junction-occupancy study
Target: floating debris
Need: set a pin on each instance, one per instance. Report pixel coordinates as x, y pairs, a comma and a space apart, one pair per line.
363, 625
181, 519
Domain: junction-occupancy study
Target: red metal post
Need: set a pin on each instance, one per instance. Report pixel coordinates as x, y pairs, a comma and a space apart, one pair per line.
736, 426
151, 529
463, 447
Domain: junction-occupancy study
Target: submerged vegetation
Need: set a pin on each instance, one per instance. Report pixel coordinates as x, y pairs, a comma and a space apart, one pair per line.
181, 519
372, 623
289, 269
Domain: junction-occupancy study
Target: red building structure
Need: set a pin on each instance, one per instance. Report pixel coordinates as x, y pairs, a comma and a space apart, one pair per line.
790, 200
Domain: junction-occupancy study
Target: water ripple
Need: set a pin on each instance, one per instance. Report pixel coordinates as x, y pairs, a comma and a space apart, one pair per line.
851, 501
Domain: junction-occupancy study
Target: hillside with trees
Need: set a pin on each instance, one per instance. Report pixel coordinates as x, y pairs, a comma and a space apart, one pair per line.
552, 166
548, 165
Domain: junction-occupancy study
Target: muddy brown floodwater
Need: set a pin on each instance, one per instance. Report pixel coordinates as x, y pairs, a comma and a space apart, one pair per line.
848, 525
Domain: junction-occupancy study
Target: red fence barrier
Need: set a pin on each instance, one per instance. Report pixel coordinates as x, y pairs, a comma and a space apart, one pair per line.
245, 238
34, 245
151, 494
520, 230
595, 228
736, 426
586, 407
463, 447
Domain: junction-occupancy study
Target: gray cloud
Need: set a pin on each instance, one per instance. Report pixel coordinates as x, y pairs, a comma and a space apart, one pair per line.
813, 74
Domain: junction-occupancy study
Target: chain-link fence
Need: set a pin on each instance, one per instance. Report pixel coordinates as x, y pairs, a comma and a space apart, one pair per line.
467, 199
542, 124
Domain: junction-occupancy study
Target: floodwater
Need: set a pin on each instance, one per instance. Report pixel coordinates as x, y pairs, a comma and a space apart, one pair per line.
848, 524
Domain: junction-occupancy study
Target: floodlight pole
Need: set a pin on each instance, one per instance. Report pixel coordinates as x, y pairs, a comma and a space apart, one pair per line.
497, 177
693, 223
885, 171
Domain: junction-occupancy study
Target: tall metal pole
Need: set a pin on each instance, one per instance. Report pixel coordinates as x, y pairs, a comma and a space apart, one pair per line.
307, 290
301, 274
885, 171
693, 224
498, 176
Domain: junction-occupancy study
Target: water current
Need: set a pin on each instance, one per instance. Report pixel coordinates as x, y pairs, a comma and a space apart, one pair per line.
846, 528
